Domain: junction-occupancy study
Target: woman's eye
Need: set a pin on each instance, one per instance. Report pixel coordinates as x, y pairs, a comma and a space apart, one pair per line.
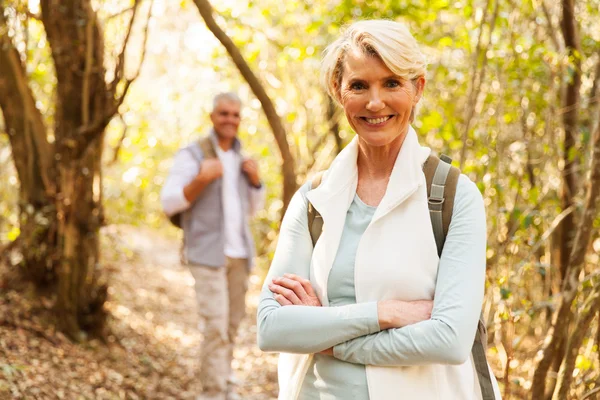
357, 86
392, 83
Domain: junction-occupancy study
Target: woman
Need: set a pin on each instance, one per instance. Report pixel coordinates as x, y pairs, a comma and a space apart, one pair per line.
354, 317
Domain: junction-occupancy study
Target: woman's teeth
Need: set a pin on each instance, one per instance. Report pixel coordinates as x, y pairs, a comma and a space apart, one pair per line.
375, 121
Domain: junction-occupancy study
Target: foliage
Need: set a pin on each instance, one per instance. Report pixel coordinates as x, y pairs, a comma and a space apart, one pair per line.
493, 102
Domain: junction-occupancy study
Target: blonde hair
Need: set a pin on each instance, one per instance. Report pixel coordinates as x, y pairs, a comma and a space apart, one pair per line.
388, 40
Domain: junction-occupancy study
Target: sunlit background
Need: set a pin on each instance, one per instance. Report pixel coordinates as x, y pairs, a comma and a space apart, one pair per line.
497, 71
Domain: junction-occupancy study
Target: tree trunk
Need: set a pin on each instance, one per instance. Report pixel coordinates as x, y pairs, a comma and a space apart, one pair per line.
569, 187
79, 299
288, 168
559, 331
82, 98
32, 156
60, 184
584, 321
565, 232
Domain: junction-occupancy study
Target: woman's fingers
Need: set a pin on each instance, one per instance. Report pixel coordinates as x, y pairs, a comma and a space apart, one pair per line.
304, 282
282, 300
285, 292
306, 294
292, 285
297, 290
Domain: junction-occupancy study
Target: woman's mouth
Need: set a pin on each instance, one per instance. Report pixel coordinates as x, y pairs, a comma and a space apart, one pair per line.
376, 121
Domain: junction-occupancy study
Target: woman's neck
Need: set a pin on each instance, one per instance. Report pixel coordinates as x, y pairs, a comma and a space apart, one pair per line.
377, 162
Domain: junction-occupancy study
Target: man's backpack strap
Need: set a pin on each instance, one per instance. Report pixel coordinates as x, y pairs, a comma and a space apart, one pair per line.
207, 147
208, 151
315, 221
441, 178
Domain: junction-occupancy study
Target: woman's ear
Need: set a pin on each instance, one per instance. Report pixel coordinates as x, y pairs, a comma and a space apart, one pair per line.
420, 87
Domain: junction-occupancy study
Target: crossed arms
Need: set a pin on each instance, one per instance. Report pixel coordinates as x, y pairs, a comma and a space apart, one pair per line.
385, 333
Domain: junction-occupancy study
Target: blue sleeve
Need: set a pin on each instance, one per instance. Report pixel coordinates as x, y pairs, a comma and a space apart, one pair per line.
304, 329
448, 336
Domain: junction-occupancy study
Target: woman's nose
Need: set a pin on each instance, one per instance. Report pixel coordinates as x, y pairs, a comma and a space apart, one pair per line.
375, 102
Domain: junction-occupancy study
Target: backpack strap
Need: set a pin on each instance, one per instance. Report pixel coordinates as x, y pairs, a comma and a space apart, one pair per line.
315, 220
480, 360
441, 178
208, 148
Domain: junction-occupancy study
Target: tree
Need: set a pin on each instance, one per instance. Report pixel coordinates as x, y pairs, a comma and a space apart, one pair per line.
60, 179
288, 169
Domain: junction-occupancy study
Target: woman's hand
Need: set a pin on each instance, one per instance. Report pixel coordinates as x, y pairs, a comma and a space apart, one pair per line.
397, 313
294, 290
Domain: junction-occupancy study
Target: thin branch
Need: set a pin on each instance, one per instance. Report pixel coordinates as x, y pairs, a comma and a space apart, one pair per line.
288, 164
35, 16
590, 393
566, 109
121, 140
6, 249
593, 101
144, 43
552, 227
586, 315
123, 11
89, 55
236, 21
129, 81
87, 133
551, 29
120, 67
478, 78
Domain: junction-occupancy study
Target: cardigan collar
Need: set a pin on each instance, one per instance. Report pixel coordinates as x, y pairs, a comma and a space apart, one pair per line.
336, 192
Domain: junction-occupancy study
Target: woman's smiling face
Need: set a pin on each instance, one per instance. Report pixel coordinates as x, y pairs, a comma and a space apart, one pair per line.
377, 103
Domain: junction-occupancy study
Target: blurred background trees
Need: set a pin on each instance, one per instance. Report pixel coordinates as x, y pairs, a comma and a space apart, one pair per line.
512, 95
57, 147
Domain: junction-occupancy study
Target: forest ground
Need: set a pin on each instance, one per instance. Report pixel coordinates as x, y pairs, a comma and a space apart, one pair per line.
151, 349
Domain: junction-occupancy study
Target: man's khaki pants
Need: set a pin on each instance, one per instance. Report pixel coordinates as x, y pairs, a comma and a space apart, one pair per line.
221, 294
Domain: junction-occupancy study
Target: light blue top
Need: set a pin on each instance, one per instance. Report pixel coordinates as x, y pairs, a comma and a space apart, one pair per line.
327, 377
353, 329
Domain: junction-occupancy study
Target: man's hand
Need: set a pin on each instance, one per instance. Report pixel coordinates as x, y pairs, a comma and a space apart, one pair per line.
398, 313
250, 168
210, 169
294, 290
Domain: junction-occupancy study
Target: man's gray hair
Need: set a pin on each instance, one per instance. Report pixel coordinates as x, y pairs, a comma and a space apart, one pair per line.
227, 96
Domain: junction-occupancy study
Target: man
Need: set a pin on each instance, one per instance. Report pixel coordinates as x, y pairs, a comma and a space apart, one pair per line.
212, 190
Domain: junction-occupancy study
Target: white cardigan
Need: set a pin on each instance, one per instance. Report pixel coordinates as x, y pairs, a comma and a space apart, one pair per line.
403, 267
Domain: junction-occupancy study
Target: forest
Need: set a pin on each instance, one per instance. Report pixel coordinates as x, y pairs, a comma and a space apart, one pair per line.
96, 97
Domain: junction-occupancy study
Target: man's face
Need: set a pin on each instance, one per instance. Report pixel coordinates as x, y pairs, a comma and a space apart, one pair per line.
226, 118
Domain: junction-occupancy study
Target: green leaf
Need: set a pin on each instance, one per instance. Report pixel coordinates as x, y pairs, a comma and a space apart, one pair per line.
505, 293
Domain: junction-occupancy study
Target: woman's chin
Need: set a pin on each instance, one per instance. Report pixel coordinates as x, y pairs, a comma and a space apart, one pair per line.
377, 139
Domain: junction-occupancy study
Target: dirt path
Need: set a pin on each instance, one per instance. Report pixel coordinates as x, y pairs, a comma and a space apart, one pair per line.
153, 351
